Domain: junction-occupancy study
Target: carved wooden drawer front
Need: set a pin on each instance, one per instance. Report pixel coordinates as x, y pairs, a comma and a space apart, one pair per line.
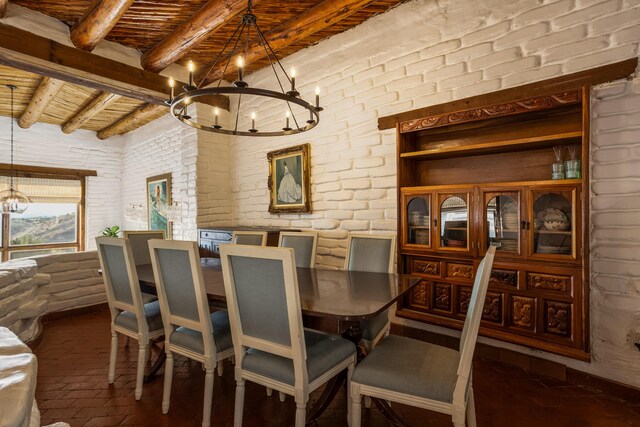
459, 271
442, 296
492, 310
426, 267
549, 282
420, 295
557, 318
503, 277
523, 311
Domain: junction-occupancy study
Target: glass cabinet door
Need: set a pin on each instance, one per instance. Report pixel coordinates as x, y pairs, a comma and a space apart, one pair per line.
453, 228
502, 222
417, 219
552, 222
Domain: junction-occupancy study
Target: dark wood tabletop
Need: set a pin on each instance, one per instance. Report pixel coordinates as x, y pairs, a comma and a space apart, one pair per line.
339, 294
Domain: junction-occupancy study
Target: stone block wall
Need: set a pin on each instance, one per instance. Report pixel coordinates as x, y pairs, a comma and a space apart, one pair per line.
30, 288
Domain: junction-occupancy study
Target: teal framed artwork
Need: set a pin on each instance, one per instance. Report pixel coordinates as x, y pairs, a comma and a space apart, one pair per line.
158, 198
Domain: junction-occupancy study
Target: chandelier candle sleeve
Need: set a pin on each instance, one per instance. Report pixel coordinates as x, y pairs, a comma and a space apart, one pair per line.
216, 113
172, 84
317, 97
253, 121
191, 68
293, 79
240, 64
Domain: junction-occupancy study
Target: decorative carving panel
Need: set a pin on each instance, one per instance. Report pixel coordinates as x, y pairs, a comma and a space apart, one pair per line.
492, 310
497, 110
503, 277
558, 318
442, 296
429, 268
460, 271
549, 282
420, 295
463, 299
523, 312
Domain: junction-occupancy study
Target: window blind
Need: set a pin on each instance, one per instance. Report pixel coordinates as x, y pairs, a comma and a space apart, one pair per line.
43, 190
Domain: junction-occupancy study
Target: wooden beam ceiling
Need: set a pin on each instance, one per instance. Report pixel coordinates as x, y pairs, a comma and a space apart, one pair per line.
177, 44
99, 103
96, 23
44, 94
325, 14
322, 16
133, 120
27, 51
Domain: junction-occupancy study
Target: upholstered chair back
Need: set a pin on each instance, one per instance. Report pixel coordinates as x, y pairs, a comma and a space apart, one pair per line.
139, 241
303, 244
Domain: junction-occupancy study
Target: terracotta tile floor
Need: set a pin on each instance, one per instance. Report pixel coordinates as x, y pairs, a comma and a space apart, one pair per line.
73, 359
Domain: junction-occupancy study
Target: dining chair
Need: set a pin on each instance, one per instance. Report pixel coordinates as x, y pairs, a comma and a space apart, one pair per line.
422, 374
139, 240
255, 238
304, 244
190, 329
271, 346
372, 253
130, 315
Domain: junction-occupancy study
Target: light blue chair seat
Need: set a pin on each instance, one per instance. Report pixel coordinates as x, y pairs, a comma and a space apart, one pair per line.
323, 352
147, 298
188, 338
372, 327
402, 364
127, 319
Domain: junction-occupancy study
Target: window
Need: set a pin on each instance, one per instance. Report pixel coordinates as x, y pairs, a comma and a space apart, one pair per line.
53, 223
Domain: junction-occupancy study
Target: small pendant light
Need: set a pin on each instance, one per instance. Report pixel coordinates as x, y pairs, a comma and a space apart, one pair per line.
12, 200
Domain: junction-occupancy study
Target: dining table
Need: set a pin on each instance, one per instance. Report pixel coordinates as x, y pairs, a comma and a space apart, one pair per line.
341, 295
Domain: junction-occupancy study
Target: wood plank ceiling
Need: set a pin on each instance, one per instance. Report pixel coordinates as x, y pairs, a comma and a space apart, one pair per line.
164, 31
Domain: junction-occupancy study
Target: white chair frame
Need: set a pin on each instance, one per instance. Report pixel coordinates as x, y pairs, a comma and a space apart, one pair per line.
211, 358
312, 234
463, 401
390, 267
263, 234
297, 351
143, 335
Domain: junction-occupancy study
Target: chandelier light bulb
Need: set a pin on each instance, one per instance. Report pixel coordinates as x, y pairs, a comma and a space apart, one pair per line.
172, 84
191, 67
216, 113
240, 62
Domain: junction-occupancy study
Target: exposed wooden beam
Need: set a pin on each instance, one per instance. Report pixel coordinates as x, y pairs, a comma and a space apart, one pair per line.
26, 51
99, 103
97, 21
606, 73
30, 171
177, 44
323, 15
44, 94
3, 8
131, 121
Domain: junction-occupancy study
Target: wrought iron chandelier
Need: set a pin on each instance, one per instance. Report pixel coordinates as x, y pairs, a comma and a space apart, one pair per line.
292, 104
12, 200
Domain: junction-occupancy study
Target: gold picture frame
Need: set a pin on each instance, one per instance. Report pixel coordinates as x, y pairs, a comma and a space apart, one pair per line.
158, 198
289, 180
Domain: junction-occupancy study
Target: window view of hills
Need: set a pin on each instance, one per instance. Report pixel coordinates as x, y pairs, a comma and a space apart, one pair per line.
44, 224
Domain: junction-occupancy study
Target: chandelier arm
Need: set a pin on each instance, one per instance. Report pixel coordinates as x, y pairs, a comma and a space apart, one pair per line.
266, 51
215, 62
13, 174
272, 52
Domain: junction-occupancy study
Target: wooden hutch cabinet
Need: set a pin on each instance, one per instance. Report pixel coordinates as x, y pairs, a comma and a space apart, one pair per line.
481, 177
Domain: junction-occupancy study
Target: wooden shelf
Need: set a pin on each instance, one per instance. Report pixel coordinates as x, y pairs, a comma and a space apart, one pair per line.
567, 233
494, 147
455, 228
426, 227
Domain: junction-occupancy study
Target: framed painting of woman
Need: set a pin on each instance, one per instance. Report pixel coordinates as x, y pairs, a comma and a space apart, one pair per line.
289, 184
158, 198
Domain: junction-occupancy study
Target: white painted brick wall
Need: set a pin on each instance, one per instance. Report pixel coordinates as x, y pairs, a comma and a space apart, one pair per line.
162, 147
426, 53
80, 150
